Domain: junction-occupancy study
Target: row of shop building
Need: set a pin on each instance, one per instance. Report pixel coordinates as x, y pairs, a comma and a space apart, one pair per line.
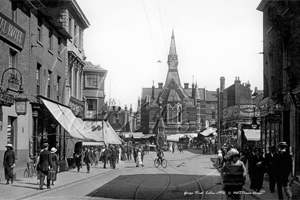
47, 88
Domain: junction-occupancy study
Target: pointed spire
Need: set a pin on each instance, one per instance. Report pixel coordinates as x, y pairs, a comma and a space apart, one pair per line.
172, 46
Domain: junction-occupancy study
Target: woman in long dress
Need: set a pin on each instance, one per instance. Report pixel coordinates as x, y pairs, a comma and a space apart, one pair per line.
9, 163
139, 158
54, 162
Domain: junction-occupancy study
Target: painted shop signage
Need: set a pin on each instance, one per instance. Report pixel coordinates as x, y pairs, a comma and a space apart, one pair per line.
10, 31
77, 107
241, 111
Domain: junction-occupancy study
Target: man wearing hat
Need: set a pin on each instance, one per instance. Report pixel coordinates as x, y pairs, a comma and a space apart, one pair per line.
284, 169
9, 163
44, 164
271, 167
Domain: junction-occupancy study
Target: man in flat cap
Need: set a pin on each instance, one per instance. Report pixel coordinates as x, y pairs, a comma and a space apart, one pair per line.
284, 169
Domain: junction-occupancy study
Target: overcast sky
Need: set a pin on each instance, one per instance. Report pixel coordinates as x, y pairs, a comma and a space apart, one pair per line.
213, 38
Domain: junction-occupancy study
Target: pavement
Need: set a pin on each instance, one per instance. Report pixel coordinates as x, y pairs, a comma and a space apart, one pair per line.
24, 188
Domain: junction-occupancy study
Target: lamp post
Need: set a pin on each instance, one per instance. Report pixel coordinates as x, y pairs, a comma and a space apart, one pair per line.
7, 99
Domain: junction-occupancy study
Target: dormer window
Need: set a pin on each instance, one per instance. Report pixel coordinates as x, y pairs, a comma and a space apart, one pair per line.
91, 80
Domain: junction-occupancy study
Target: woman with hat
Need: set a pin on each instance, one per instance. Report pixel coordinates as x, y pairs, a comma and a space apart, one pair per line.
54, 162
9, 163
284, 169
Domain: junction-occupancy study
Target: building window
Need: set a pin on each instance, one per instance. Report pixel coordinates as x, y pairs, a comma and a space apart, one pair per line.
91, 80
75, 34
80, 39
12, 60
91, 104
38, 78
58, 87
59, 46
49, 84
12, 132
179, 113
70, 26
14, 11
50, 40
172, 114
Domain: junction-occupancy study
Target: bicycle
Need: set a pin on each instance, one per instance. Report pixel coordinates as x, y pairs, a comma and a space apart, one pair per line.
162, 162
30, 170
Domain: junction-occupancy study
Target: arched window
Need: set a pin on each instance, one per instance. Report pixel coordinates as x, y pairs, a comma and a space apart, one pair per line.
179, 113
170, 113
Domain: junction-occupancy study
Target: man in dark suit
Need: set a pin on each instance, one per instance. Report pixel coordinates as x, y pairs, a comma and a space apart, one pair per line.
44, 165
284, 169
271, 167
88, 158
104, 157
113, 157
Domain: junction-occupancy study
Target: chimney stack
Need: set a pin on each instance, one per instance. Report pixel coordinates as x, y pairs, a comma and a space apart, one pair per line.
186, 86
222, 84
160, 85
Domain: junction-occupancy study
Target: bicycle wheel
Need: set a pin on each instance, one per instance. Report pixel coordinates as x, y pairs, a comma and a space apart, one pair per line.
164, 163
25, 174
156, 163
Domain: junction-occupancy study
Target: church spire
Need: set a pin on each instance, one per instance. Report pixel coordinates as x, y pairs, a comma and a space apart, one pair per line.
172, 46
173, 62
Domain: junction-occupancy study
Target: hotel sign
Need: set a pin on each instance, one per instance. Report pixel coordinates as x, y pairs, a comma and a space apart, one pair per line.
10, 31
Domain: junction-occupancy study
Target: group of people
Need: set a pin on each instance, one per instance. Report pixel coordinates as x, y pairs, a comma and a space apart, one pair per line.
111, 154
278, 166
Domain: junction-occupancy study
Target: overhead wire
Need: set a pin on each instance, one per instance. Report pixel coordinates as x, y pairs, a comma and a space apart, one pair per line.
162, 27
150, 29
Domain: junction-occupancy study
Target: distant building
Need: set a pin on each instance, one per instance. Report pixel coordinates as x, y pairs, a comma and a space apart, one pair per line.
239, 106
93, 90
175, 108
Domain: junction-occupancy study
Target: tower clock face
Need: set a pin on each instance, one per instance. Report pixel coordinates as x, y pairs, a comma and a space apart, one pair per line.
172, 62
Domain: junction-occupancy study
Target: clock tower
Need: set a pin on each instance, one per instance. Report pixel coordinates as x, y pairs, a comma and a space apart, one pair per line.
172, 63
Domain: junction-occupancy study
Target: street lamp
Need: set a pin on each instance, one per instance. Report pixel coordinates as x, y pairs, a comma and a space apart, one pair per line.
8, 99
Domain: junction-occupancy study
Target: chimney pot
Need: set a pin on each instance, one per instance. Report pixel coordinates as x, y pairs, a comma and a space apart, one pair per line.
186, 86
160, 85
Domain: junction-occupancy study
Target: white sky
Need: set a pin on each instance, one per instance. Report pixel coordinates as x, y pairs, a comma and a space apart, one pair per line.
213, 38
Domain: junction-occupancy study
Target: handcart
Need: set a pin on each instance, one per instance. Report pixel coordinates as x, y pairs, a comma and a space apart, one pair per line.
233, 181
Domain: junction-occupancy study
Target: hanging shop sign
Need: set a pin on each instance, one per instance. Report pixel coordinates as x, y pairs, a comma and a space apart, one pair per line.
241, 111
77, 107
5, 98
11, 32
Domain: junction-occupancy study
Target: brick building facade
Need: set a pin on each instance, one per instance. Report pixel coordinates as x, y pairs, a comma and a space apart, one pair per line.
280, 106
174, 108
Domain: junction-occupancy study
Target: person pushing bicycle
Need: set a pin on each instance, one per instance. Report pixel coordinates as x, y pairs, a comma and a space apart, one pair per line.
160, 155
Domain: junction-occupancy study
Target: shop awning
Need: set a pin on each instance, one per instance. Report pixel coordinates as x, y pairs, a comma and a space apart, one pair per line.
208, 131
92, 143
148, 136
252, 134
65, 118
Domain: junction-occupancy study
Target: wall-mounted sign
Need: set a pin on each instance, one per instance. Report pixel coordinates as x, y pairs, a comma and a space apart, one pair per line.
241, 111
12, 32
77, 107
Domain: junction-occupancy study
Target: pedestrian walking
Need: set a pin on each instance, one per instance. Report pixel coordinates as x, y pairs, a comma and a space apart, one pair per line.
284, 169
173, 147
258, 170
271, 167
97, 157
130, 152
219, 159
118, 155
104, 156
54, 162
88, 158
114, 156
250, 168
9, 163
78, 159
135, 153
180, 148
44, 165
139, 158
